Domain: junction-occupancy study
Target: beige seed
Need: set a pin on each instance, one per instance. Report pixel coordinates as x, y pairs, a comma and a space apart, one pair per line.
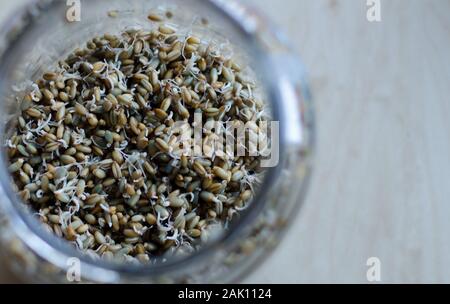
24, 178
60, 113
147, 85
116, 170
149, 168
246, 195
215, 187
182, 110
207, 196
76, 224
99, 173
162, 145
194, 221
221, 173
137, 218
237, 176
129, 189
115, 222
82, 229
193, 40
175, 54
164, 29
187, 97
90, 219
125, 99
94, 199
198, 167
99, 237
195, 233
67, 159
92, 120
53, 218
83, 149
62, 197
211, 112
98, 67
117, 156
165, 104
80, 109
176, 202
16, 166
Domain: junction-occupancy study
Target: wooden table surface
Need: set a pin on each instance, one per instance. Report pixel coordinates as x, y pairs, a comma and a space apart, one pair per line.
381, 183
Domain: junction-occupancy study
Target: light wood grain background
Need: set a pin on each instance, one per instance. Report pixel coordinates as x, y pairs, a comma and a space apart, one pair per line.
381, 185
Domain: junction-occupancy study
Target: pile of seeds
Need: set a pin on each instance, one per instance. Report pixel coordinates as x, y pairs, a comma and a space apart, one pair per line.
93, 149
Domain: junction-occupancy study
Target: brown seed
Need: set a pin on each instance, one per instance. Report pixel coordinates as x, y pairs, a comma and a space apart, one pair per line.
50, 76
33, 112
162, 115
155, 17
151, 219
48, 94
130, 233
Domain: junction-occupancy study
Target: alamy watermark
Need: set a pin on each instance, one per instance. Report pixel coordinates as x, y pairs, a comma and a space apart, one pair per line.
229, 139
373, 10
373, 273
73, 273
73, 13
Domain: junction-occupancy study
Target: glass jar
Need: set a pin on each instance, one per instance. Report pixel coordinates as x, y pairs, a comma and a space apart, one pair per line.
39, 35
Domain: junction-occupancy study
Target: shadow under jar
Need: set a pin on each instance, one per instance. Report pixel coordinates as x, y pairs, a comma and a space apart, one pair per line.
37, 37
